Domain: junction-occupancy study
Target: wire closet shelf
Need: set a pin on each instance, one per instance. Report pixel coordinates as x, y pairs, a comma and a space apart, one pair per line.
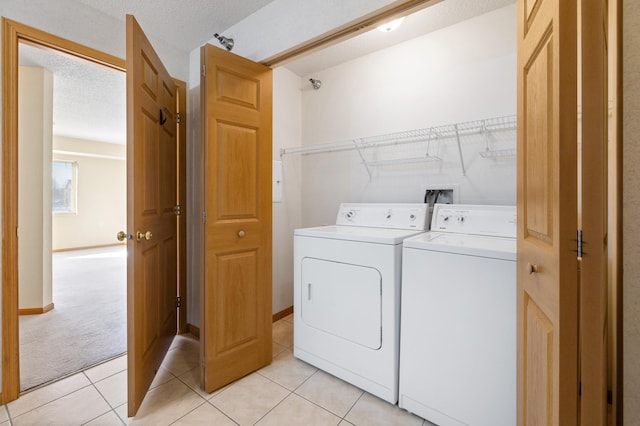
455, 132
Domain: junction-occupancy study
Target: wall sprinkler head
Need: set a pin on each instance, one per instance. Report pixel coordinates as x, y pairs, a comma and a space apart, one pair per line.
225, 41
315, 83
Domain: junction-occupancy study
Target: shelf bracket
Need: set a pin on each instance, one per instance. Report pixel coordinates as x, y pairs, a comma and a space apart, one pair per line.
464, 172
364, 161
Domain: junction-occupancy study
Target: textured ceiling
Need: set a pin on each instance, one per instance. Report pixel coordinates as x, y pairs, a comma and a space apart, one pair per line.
89, 100
427, 20
196, 20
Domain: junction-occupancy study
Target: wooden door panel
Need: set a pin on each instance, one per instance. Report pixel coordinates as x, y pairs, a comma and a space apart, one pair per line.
149, 76
168, 97
236, 289
237, 171
528, 7
598, 257
236, 297
538, 364
151, 195
168, 172
547, 213
149, 165
237, 89
148, 317
537, 186
168, 302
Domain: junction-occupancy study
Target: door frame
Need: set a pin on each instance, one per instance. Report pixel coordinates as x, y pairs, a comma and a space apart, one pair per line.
13, 33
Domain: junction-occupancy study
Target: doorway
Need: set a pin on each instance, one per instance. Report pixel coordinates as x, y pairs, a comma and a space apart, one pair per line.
72, 170
15, 33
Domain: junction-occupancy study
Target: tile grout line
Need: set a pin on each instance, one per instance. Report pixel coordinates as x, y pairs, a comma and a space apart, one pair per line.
222, 412
6, 409
274, 407
354, 404
48, 402
105, 377
83, 372
326, 409
293, 392
112, 408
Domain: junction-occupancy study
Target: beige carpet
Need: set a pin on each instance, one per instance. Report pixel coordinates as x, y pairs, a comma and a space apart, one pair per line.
89, 322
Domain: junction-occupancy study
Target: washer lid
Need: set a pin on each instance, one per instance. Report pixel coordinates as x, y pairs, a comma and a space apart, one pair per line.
358, 233
472, 245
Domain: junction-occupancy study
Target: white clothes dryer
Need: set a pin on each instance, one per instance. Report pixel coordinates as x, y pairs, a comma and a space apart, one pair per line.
347, 293
458, 336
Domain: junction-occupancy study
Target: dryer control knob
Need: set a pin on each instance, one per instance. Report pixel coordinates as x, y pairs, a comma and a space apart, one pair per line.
350, 214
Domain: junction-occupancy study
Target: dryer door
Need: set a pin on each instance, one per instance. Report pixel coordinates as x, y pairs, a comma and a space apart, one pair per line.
342, 299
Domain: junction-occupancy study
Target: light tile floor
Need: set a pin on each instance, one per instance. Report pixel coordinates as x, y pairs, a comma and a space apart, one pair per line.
287, 392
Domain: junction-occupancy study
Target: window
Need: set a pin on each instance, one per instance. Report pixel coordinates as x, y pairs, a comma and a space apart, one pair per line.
64, 191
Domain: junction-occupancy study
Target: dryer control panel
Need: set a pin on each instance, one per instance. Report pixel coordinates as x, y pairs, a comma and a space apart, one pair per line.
497, 221
394, 216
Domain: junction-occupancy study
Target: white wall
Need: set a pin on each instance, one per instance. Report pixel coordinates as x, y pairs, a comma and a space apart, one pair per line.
630, 209
35, 122
101, 194
287, 214
460, 73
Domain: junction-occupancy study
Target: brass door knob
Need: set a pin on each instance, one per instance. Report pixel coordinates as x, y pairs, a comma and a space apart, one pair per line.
143, 236
121, 236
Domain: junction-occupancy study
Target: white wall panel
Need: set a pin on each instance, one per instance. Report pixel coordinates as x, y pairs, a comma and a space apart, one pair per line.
461, 73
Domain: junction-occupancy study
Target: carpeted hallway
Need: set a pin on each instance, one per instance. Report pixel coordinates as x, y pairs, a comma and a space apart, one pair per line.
89, 322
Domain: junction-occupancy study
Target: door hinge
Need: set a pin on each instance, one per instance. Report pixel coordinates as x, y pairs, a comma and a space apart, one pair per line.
178, 301
177, 209
579, 243
178, 118
204, 217
204, 70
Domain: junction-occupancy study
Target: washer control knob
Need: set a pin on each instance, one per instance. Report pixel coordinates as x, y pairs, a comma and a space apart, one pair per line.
445, 219
461, 219
350, 214
412, 217
388, 214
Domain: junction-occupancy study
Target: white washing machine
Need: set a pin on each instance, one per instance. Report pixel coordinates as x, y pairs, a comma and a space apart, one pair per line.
347, 293
458, 336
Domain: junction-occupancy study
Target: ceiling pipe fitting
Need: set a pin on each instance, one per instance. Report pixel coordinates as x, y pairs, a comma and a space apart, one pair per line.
225, 41
315, 83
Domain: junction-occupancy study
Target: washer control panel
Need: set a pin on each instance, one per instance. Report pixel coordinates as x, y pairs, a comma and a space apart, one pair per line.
475, 219
394, 216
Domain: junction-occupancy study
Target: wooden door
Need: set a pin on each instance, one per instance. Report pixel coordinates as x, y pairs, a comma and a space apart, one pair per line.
235, 313
593, 100
151, 220
547, 213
